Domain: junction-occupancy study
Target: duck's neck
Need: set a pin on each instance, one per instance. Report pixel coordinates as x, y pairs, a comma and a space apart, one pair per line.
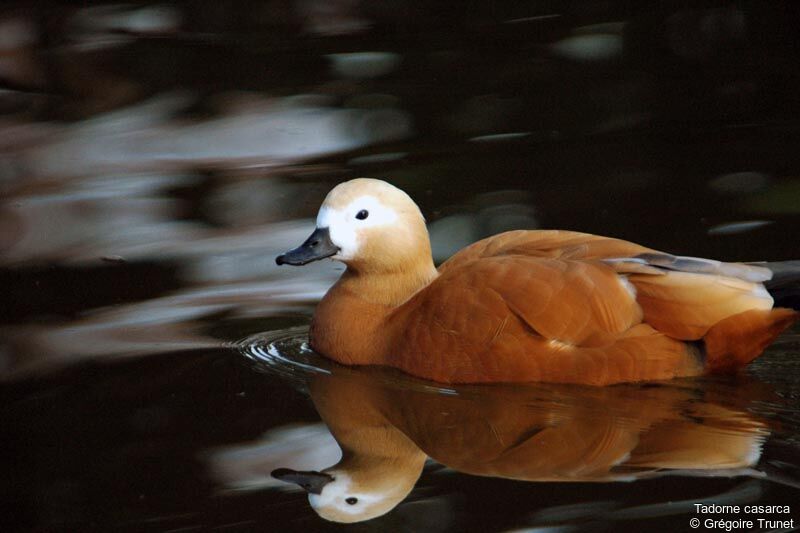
349, 322
387, 289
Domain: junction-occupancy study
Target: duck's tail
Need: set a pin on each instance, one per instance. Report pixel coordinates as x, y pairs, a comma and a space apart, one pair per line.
738, 339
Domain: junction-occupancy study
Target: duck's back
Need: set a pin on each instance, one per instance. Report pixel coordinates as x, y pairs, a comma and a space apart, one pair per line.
545, 243
571, 307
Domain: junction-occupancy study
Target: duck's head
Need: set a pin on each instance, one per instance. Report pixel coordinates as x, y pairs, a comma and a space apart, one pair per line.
336, 495
368, 224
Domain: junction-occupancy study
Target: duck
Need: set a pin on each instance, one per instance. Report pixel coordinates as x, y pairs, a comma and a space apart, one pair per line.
388, 428
528, 305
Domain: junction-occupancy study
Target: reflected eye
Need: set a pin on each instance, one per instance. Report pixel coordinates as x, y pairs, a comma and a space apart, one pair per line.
361, 215
351, 501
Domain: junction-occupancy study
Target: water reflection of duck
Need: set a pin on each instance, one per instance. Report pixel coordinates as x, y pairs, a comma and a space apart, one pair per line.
532, 433
551, 306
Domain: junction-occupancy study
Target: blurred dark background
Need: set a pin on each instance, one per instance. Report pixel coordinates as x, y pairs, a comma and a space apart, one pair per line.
156, 156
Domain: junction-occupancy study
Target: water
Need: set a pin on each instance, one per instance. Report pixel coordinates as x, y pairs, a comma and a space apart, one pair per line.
155, 160
187, 440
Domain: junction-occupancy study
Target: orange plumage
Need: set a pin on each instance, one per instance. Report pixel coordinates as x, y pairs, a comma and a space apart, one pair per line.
551, 306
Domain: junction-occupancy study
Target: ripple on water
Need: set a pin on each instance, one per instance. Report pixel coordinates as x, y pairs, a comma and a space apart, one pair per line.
286, 353
283, 352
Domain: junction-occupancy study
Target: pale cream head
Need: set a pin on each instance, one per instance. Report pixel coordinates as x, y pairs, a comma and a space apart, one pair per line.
348, 500
375, 225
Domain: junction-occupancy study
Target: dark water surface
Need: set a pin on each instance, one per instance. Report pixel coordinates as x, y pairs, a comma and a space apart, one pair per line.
154, 159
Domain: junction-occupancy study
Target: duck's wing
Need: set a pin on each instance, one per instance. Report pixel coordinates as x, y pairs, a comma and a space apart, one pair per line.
685, 297
725, 304
662, 263
523, 318
682, 297
574, 302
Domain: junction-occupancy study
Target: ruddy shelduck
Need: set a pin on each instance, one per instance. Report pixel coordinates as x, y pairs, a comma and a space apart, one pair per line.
526, 306
551, 432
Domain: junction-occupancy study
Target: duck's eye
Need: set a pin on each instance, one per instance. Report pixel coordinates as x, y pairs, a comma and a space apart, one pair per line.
351, 501
361, 215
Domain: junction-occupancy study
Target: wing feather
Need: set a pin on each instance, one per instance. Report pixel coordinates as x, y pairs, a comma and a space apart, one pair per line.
575, 321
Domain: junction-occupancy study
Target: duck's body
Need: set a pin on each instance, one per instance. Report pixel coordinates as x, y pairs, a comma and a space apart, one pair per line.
522, 306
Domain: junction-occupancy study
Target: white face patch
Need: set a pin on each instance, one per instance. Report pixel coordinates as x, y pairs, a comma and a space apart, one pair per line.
344, 224
336, 493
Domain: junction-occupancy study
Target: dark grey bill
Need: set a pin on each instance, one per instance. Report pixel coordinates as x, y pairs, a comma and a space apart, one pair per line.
317, 246
311, 481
